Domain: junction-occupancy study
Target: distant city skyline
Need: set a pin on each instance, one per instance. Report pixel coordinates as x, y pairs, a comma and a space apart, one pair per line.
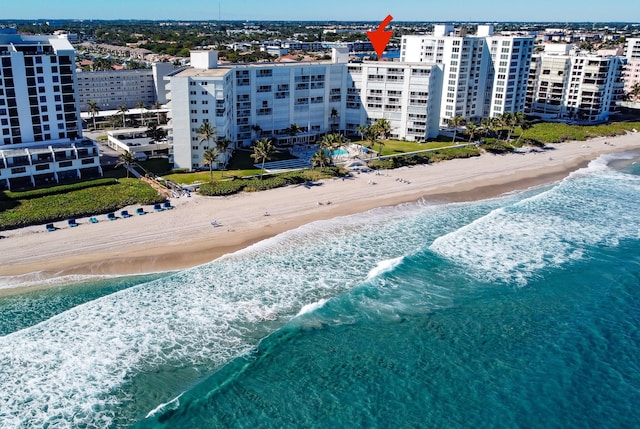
372, 10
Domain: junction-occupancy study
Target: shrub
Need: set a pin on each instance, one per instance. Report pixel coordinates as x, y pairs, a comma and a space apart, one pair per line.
56, 206
381, 164
58, 189
497, 147
228, 187
253, 185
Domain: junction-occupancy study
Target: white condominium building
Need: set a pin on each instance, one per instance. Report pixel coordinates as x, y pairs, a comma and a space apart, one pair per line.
111, 89
508, 73
407, 95
569, 85
631, 72
632, 49
484, 74
246, 102
40, 127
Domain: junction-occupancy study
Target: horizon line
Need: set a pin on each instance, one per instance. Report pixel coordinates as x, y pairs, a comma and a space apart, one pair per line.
634, 23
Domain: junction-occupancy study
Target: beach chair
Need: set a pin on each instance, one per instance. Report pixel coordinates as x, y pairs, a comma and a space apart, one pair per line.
124, 214
140, 211
50, 227
72, 222
167, 205
93, 220
111, 216
157, 207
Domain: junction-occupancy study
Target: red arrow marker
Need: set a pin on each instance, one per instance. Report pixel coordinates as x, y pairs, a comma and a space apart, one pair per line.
380, 38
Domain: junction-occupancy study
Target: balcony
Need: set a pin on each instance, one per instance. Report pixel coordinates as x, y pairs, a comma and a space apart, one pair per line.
42, 160
85, 153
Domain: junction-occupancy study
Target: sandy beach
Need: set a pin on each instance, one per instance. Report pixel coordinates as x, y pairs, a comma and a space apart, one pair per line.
184, 237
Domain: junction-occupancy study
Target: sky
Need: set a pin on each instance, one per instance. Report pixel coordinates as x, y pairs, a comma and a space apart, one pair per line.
340, 10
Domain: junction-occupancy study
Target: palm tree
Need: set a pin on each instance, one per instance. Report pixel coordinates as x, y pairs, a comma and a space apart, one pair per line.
486, 126
154, 132
93, 109
319, 158
328, 144
371, 135
455, 122
472, 129
206, 132
209, 157
362, 129
497, 123
223, 145
333, 116
524, 125
123, 109
510, 121
257, 129
127, 159
262, 150
634, 94
294, 130
383, 129
140, 105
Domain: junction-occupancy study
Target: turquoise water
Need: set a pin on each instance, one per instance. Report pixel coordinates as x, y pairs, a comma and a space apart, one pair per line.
337, 152
521, 311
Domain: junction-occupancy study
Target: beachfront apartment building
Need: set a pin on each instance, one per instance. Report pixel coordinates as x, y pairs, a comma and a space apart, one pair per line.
631, 72
249, 101
566, 84
484, 74
40, 128
407, 95
111, 89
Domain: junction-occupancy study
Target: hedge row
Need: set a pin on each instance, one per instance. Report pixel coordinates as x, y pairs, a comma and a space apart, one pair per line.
424, 158
223, 188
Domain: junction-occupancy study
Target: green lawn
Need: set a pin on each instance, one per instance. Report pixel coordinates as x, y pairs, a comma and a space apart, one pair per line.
62, 202
204, 176
240, 165
550, 132
395, 147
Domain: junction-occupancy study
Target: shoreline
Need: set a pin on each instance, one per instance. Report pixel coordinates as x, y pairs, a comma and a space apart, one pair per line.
183, 237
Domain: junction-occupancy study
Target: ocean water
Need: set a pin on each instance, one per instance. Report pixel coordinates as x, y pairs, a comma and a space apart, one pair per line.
518, 311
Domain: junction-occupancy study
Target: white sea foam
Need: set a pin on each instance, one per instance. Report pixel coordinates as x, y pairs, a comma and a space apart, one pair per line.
384, 267
171, 405
595, 206
74, 368
309, 308
39, 279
